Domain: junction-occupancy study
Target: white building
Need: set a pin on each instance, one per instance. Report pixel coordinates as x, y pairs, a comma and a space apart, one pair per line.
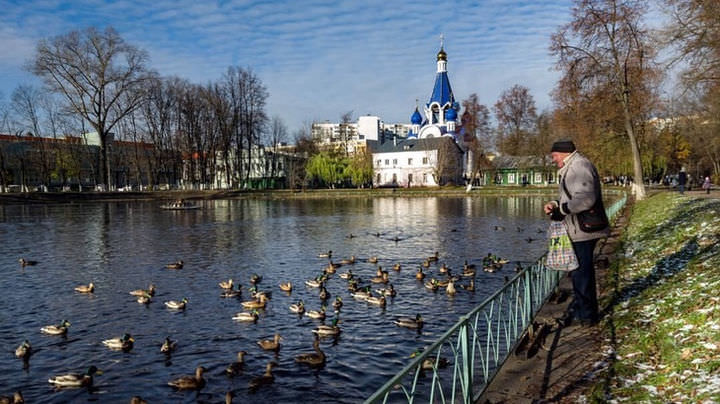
416, 162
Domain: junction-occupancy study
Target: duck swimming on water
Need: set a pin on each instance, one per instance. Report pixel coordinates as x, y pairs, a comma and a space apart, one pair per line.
195, 382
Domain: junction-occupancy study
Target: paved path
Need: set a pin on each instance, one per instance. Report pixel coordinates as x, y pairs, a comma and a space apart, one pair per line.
570, 356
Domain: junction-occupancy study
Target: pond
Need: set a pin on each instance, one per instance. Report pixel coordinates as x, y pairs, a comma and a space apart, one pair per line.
122, 246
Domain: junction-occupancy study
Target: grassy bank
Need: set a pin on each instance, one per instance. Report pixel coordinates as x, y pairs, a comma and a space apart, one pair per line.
663, 327
67, 197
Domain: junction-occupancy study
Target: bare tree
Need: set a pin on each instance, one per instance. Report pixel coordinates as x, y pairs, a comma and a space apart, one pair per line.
278, 134
606, 48
27, 104
516, 115
694, 33
93, 69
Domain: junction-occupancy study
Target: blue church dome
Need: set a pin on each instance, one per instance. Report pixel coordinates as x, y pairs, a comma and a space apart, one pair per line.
451, 114
416, 118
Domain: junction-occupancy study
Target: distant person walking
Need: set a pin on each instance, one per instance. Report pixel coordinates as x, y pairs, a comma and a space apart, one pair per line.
682, 180
580, 207
706, 185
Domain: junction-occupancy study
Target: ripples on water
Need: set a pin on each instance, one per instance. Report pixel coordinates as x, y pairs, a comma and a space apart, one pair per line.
121, 246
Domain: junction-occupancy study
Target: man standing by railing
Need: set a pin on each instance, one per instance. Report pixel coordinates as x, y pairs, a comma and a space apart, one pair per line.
580, 207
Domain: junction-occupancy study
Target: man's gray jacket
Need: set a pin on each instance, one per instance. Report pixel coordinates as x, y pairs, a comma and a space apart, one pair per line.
578, 194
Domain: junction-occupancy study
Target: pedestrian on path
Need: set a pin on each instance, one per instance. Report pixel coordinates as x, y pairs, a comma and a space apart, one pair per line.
580, 207
706, 185
682, 180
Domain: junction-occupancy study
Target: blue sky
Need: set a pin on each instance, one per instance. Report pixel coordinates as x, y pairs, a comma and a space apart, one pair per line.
318, 59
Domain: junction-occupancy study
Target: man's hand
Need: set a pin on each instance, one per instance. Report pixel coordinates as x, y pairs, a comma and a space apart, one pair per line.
549, 207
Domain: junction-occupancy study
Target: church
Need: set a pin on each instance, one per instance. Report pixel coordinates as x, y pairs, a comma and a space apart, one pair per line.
433, 153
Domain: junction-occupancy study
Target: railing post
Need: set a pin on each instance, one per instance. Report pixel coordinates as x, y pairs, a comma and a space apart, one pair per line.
528, 297
467, 369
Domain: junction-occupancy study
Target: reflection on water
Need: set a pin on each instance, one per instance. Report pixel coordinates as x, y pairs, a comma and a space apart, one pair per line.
121, 246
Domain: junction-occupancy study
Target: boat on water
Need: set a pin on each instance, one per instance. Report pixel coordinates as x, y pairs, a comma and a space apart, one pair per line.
180, 205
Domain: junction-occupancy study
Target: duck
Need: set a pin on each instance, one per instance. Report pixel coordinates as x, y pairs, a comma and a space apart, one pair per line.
228, 284
144, 299
443, 268
255, 279
450, 290
429, 362
298, 307
271, 344
324, 294
325, 254
317, 314
410, 322
195, 382
286, 287
441, 283
468, 272
384, 278
426, 264
470, 287
236, 367
348, 261
489, 268
230, 293
247, 317
419, 275
24, 350
27, 263
168, 345
255, 293
17, 398
390, 291
314, 359
328, 330
89, 288
433, 257
361, 294
258, 303
75, 379
175, 305
175, 265
373, 260
467, 266
397, 267
314, 283
266, 378
141, 292
137, 400
59, 329
338, 303
347, 275
125, 342
378, 301
432, 285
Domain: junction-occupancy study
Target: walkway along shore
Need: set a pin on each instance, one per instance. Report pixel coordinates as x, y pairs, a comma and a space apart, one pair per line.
658, 340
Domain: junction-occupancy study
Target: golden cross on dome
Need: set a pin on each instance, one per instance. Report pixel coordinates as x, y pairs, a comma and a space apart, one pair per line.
442, 37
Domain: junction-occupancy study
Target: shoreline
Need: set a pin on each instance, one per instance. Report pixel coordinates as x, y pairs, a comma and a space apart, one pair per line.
92, 196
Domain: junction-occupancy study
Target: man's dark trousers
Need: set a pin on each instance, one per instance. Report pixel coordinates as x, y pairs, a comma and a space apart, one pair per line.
585, 306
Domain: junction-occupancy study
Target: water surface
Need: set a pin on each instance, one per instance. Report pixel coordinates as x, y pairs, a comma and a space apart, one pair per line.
121, 246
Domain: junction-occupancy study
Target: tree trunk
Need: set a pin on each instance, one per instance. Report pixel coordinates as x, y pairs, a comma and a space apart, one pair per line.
638, 187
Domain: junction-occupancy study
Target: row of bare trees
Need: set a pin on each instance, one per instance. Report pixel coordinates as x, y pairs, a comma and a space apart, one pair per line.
95, 81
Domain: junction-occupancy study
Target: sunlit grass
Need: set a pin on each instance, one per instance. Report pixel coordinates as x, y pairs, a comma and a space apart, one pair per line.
664, 321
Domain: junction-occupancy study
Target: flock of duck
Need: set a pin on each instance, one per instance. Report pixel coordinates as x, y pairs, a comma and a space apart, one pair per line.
374, 291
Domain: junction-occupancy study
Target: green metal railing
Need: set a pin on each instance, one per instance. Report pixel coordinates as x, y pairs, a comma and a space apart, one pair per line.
460, 364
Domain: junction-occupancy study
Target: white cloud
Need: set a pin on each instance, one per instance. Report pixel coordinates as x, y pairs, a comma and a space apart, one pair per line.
319, 58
